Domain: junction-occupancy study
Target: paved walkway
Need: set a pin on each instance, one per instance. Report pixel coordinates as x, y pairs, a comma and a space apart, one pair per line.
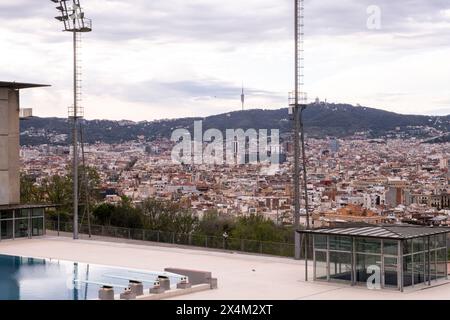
241, 276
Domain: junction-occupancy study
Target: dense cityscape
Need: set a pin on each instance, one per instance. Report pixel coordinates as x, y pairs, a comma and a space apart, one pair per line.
172, 150
356, 179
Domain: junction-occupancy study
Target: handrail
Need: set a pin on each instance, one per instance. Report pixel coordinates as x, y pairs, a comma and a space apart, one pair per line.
284, 249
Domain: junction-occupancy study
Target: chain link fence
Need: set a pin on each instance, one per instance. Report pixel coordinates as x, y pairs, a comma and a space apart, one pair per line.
193, 239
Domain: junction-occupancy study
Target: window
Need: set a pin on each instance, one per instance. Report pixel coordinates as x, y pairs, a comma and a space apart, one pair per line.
407, 271
441, 264
433, 269
320, 267
6, 214
441, 241
341, 266
433, 242
363, 262
38, 212
390, 271
341, 243
366, 245
6, 229
21, 228
22, 213
419, 268
390, 247
407, 246
418, 245
320, 242
37, 227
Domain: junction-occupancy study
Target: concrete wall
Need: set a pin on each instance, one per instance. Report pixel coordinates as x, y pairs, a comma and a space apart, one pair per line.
9, 147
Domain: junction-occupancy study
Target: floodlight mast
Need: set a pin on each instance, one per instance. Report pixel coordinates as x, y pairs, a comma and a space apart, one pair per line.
297, 104
75, 22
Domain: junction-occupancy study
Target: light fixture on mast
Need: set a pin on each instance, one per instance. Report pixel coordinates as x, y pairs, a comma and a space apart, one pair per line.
74, 20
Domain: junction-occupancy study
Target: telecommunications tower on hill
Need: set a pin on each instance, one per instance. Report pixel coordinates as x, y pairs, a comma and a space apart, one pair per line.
243, 97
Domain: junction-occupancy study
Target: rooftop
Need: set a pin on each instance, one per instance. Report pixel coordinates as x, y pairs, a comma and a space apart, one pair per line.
402, 232
18, 85
240, 276
25, 206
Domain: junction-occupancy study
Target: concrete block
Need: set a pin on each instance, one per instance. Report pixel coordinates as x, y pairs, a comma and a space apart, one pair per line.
106, 294
157, 290
214, 283
164, 282
195, 276
127, 295
175, 293
137, 288
184, 285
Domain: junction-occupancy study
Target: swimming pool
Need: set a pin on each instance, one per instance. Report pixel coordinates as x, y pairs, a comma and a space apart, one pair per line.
24, 278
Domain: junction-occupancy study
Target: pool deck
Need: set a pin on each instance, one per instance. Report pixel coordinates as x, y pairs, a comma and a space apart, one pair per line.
240, 276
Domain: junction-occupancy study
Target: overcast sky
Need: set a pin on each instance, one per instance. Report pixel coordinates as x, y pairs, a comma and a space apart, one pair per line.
154, 59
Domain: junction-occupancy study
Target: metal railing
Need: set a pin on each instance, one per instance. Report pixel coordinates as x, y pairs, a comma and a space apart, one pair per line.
282, 249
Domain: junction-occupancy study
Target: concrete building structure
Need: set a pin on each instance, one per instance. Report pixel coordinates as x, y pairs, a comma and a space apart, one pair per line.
16, 221
9, 140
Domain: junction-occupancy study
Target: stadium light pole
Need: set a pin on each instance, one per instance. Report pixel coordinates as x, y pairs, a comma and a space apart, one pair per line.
75, 22
297, 104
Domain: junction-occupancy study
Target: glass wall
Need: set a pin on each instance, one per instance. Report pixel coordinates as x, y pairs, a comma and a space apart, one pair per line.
333, 258
356, 259
37, 222
341, 266
424, 259
21, 223
320, 265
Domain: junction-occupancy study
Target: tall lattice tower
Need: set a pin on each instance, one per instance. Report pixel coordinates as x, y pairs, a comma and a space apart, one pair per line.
72, 16
76, 111
297, 104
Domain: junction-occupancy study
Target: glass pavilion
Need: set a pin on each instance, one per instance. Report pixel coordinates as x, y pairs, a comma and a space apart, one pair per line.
22, 221
406, 255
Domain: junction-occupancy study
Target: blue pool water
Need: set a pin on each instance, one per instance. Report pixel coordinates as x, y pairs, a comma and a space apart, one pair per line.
23, 278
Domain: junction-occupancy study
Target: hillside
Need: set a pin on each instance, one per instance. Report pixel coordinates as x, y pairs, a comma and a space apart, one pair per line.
320, 120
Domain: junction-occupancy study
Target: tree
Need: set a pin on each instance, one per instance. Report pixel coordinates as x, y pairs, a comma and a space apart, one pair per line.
256, 227
102, 213
126, 215
186, 222
212, 224
58, 191
93, 182
168, 216
30, 192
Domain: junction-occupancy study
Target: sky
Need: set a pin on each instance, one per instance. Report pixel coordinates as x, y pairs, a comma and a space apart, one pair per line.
159, 59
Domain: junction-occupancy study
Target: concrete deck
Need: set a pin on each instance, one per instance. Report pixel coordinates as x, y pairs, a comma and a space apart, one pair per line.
240, 276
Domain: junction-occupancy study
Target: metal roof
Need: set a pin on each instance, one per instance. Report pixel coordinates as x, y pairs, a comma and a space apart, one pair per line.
25, 206
18, 85
385, 232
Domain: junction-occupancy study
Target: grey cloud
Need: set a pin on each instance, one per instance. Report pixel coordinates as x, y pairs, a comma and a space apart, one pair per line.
197, 20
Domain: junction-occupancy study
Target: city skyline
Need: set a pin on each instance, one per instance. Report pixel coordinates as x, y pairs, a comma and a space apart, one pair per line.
177, 59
